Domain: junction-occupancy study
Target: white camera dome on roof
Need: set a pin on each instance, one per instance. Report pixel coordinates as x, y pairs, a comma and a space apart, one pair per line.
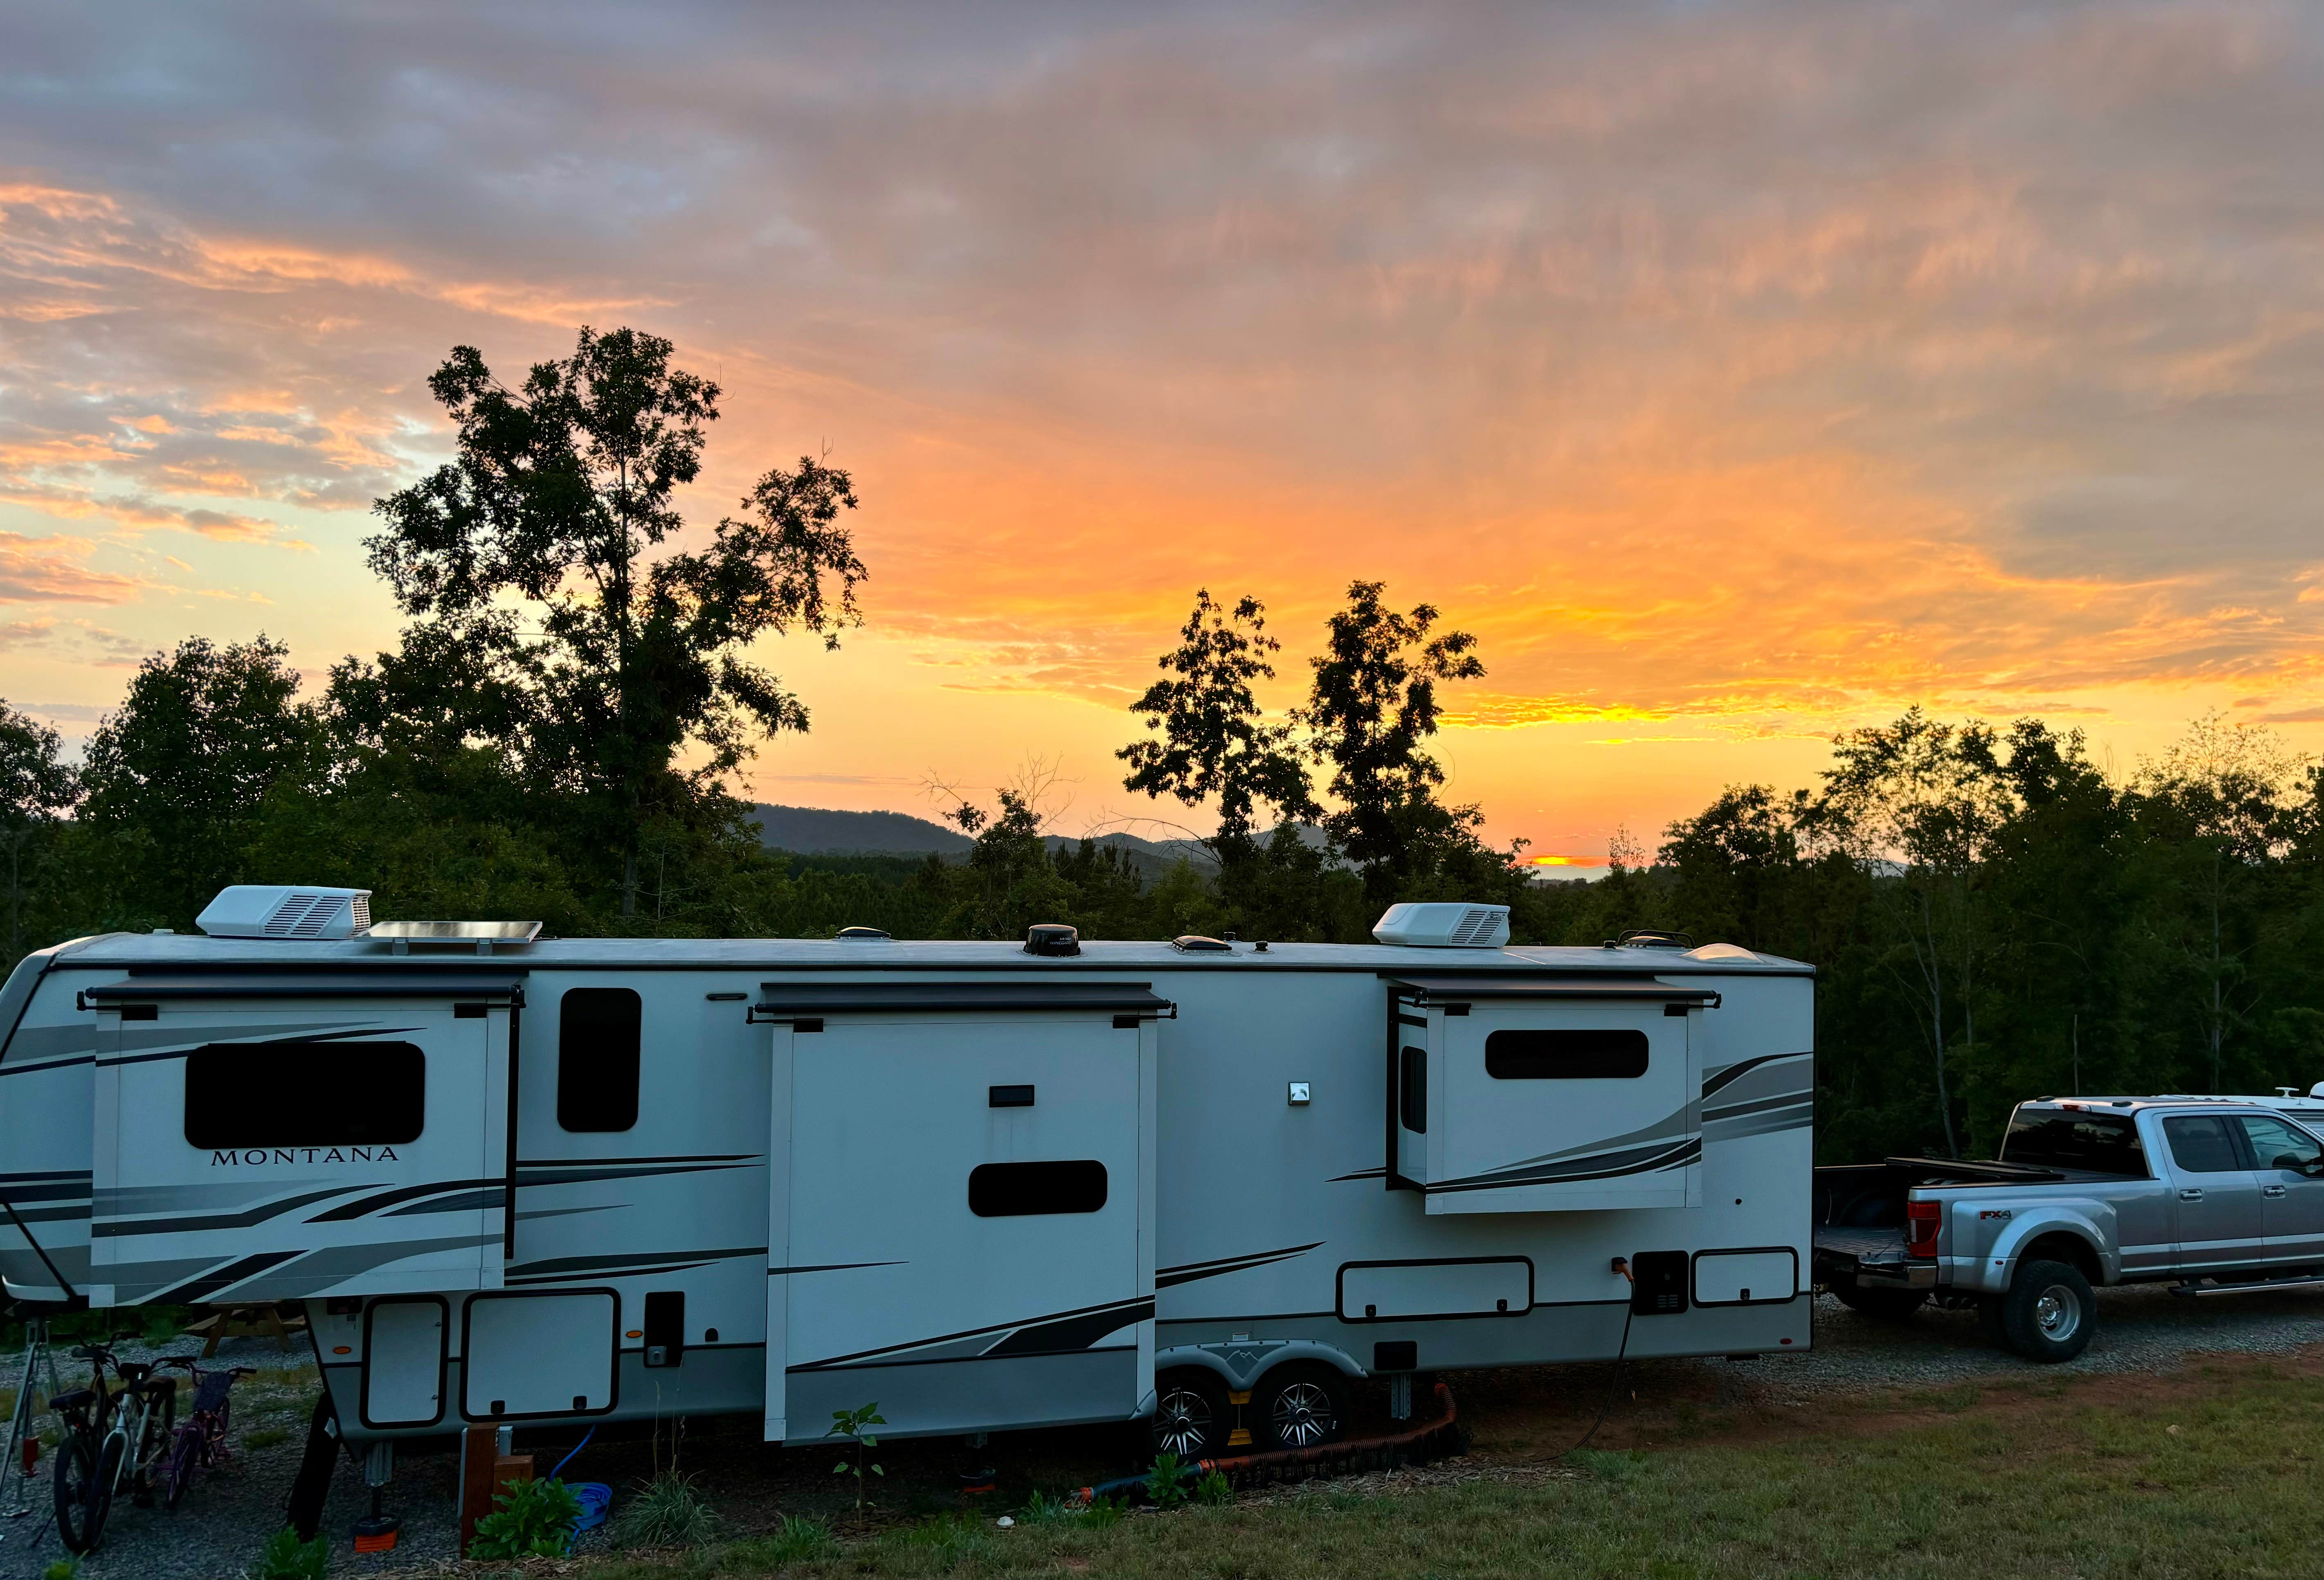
251, 910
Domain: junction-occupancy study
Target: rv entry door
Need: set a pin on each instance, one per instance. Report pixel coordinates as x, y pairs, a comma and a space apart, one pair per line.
276, 1136
960, 1212
1548, 1093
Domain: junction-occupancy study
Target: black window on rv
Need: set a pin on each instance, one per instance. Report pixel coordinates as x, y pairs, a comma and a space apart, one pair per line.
1570, 1053
305, 1095
1412, 1089
598, 1032
2062, 1138
1026, 1190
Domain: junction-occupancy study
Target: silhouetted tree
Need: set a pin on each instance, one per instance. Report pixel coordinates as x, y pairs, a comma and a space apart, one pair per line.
36, 787
560, 491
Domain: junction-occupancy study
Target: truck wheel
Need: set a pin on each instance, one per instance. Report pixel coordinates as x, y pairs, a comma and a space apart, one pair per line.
1887, 1305
2049, 1312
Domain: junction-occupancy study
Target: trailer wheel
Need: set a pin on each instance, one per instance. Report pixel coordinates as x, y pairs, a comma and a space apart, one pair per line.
1302, 1404
1887, 1305
1191, 1416
2049, 1312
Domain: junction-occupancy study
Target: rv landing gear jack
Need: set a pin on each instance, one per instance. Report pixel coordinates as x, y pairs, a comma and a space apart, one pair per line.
375, 1531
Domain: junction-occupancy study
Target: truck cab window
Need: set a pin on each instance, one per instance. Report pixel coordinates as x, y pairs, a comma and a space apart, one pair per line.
2201, 1144
598, 1036
2053, 1138
2277, 1145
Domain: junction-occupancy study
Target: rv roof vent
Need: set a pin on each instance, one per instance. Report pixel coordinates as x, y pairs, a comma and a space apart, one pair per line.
1650, 938
1052, 938
1453, 924
853, 933
250, 910
1196, 943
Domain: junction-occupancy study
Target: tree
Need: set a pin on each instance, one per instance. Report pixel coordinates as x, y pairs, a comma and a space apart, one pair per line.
560, 492
1372, 706
1928, 797
36, 786
1212, 740
178, 775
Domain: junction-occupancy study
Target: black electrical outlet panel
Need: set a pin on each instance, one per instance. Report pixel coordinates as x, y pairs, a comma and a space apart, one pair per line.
665, 1327
1396, 1355
1657, 1283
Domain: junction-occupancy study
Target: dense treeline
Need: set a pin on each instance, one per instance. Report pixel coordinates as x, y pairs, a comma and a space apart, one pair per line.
1992, 915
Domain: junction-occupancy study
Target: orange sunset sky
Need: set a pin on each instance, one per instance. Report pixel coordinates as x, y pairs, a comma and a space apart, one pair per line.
1737, 372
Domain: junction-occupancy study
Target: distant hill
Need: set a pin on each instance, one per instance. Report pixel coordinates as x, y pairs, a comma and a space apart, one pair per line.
813, 831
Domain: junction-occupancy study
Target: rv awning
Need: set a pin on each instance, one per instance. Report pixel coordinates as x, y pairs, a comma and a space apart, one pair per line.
793, 1000
1631, 988
501, 985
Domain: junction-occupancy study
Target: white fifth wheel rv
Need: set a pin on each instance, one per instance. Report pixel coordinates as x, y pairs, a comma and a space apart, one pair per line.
989, 1186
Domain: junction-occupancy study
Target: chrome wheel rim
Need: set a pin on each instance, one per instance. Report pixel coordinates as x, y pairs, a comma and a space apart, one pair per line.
1303, 1416
2058, 1313
1181, 1423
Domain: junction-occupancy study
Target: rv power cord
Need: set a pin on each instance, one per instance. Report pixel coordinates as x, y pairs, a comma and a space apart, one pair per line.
1621, 1353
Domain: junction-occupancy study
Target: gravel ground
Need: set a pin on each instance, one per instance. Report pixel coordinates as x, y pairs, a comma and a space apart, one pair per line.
227, 1514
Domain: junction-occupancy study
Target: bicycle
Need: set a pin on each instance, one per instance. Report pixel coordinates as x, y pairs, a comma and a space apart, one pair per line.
112, 1439
200, 1442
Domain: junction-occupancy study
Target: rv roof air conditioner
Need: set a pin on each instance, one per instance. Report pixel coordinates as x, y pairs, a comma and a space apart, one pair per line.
252, 910
1454, 924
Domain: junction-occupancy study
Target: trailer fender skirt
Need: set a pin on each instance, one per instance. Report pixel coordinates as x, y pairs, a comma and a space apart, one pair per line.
1435, 1439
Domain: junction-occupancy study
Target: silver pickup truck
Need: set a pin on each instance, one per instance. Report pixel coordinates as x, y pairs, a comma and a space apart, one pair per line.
2213, 1195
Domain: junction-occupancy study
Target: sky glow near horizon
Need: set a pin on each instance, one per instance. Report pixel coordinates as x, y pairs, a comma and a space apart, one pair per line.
1738, 373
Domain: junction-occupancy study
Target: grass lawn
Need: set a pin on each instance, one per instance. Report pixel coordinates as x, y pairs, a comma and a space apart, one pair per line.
2209, 1471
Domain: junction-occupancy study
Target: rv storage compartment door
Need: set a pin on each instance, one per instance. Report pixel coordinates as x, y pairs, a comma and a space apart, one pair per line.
965, 1230
1543, 1094
277, 1136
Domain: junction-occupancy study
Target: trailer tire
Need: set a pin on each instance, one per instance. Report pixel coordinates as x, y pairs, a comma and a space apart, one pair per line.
1300, 1404
1887, 1305
2049, 1312
1191, 1416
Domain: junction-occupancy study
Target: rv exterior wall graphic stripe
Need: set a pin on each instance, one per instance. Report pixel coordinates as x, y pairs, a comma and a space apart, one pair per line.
1726, 1074
114, 1227
1131, 1310
1194, 1272
385, 1199
558, 1265
1685, 1153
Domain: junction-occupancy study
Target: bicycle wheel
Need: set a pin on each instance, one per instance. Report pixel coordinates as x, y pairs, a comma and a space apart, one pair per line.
77, 1493
156, 1439
185, 1454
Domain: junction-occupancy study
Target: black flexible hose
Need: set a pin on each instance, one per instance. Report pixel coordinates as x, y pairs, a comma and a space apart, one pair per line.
1613, 1387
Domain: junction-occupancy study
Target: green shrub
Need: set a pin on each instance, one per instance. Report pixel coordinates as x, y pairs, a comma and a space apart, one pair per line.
797, 1541
62, 1569
286, 1557
534, 1520
668, 1511
1213, 1490
1165, 1484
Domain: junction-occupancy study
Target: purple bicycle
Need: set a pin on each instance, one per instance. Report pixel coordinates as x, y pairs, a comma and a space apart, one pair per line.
200, 1441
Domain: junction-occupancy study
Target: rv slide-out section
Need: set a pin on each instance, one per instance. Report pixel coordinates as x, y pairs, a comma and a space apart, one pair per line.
963, 1196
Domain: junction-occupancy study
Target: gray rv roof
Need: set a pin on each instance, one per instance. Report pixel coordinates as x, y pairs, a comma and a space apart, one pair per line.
180, 952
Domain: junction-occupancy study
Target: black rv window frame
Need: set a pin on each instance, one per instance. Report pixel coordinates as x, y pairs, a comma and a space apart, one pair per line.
600, 1048
1567, 1053
1038, 1189
301, 1095
1412, 1088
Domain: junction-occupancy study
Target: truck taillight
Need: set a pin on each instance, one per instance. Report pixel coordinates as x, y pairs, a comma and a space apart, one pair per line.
1920, 1221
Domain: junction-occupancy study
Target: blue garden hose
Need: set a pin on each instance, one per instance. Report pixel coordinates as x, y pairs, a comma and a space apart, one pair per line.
595, 1497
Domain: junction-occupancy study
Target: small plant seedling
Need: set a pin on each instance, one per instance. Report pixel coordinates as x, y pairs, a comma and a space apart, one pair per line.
286, 1557
62, 1569
1165, 1484
848, 1426
1213, 1490
797, 1541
